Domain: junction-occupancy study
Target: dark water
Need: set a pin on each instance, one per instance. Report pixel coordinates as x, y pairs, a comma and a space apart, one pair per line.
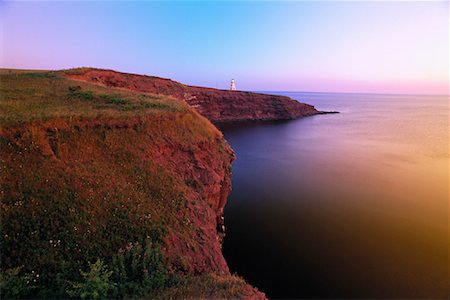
349, 205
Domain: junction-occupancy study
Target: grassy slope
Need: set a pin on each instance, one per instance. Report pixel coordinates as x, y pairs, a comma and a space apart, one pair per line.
40, 96
90, 167
216, 105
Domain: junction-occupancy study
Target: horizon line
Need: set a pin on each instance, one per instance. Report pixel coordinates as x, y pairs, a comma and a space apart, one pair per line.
359, 93
254, 91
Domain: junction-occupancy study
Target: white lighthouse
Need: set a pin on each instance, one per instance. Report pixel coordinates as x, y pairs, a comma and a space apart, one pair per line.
232, 86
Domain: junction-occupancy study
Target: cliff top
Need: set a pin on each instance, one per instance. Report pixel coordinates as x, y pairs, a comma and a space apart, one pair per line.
115, 175
216, 105
29, 96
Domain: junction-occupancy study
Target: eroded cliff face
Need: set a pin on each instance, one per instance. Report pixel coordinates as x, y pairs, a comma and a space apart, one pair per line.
92, 153
121, 178
106, 173
216, 105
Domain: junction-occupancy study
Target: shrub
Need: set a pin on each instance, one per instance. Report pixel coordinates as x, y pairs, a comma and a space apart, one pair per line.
117, 101
95, 284
14, 285
138, 269
114, 100
75, 93
39, 75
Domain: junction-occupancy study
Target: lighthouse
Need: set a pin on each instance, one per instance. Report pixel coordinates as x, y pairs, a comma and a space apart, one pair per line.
232, 86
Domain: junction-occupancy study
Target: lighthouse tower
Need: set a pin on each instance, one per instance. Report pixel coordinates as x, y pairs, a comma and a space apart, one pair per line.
233, 86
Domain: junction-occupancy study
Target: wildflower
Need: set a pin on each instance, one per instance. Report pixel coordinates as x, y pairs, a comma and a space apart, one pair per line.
129, 246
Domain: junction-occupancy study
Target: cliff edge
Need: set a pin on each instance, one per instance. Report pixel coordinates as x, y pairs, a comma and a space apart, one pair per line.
216, 105
120, 189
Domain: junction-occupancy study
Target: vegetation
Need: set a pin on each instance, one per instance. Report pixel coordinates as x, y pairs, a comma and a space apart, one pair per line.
40, 96
138, 270
95, 283
87, 195
208, 286
135, 271
57, 218
14, 284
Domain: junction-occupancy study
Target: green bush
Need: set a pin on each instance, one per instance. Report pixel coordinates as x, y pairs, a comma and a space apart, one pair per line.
14, 285
79, 94
138, 269
95, 284
48, 75
115, 100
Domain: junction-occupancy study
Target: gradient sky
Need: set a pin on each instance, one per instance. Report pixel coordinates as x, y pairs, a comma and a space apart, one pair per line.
383, 47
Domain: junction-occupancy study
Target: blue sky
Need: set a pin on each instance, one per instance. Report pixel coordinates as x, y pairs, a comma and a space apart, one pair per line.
294, 46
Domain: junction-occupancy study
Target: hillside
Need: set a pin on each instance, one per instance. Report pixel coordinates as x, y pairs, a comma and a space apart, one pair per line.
216, 105
113, 190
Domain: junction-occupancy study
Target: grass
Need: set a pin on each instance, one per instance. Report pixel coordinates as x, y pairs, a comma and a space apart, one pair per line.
209, 286
21, 71
98, 196
87, 170
40, 95
75, 92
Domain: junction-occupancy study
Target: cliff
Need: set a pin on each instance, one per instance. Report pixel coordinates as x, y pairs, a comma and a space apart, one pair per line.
131, 177
216, 105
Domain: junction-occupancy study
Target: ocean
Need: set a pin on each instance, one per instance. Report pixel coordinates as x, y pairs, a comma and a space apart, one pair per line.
349, 205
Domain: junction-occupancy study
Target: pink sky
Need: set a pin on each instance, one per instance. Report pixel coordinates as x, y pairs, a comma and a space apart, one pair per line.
331, 46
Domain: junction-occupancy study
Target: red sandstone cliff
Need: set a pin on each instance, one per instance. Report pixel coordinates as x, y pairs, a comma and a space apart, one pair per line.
216, 105
198, 165
98, 169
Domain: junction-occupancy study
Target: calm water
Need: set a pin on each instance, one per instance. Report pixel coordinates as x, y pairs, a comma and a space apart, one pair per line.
349, 205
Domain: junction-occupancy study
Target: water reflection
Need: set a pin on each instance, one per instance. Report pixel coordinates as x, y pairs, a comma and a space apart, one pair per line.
353, 205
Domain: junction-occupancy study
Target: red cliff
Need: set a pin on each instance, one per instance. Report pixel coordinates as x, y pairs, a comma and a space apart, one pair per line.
216, 105
89, 172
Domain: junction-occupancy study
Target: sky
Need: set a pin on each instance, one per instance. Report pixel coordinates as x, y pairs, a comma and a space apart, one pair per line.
332, 46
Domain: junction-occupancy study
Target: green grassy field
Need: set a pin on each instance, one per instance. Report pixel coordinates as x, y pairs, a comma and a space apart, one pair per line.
42, 95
